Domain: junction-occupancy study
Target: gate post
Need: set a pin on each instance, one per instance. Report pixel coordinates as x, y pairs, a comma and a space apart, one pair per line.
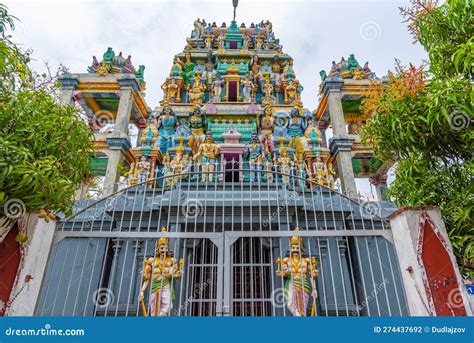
35, 252
429, 272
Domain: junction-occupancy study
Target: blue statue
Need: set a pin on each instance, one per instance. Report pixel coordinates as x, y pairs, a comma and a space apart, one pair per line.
166, 127
296, 124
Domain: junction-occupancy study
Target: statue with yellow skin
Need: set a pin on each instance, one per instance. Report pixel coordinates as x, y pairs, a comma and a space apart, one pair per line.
295, 269
161, 269
207, 154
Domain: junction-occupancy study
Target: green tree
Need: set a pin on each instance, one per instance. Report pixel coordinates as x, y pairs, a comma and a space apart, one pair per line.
44, 146
420, 119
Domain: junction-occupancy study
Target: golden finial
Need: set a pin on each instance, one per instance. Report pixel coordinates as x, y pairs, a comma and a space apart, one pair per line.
163, 240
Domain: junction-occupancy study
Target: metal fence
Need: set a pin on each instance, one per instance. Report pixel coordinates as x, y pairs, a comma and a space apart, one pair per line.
230, 233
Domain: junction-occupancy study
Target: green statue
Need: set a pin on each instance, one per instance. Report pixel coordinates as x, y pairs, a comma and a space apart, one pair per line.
109, 56
140, 74
352, 63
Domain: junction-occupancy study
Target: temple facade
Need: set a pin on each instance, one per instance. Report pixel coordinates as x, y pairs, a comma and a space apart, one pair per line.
230, 201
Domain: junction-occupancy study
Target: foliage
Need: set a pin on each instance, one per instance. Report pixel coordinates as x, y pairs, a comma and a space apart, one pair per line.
43, 145
421, 120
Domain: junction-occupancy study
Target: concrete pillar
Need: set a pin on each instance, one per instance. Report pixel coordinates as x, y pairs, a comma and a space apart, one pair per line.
35, 252
429, 272
68, 86
66, 96
341, 144
111, 174
123, 113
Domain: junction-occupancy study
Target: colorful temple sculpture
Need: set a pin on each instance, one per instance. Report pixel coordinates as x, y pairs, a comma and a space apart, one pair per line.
229, 201
341, 93
111, 96
232, 78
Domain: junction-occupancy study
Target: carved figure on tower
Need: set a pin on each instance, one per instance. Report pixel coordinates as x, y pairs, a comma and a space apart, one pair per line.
143, 169
196, 91
206, 156
167, 123
161, 269
196, 121
256, 156
295, 269
247, 88
217, 88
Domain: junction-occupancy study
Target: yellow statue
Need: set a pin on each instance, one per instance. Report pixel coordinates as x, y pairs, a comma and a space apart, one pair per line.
170, 89
294, 269
162, 270
103, 69
331, 174
207, 153
196, 92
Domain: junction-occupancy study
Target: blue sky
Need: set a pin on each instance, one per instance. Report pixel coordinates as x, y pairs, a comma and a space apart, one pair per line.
314, 33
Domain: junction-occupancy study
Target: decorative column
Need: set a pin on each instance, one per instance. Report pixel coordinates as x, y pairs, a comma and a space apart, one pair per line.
117, 146
429, 272
341, 144
34, 256
68, 86
380, 183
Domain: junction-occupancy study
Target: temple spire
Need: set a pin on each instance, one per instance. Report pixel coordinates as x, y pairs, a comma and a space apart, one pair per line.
235, 3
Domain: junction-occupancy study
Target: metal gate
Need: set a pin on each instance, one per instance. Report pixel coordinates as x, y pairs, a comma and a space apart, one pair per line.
230, 232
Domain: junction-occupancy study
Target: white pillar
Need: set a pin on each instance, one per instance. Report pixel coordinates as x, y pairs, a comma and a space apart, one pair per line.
123, 113
407, 228
342, 145
26, 289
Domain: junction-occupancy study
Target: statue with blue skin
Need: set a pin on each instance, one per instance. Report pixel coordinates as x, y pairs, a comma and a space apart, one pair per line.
296, 124
166, 127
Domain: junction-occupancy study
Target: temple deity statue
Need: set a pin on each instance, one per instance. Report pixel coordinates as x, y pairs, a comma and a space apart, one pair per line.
255, 68
162, 270
247, 88
196, 33
256, 156
301, 172
209, 75
313, 135
291, 92
95, 65
143, 169
285, 164
196, 121
221, 42
108, 57
266, 129
196, 91
245, 43
177, 67
258, 42
209, 41
150, 133
170, 89
288, 72
296, 124
167, 123
206, 156
343, 65
268, 89
319, 171
295, 269
280, 130
334, 70
367, 72
217, 88
276, 76
331, 174
352, 63
127, 65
